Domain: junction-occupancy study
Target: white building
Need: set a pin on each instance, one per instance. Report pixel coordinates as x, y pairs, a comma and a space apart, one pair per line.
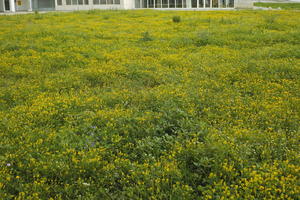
47, 5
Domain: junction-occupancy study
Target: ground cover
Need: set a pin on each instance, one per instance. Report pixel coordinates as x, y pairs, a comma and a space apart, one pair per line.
138, 105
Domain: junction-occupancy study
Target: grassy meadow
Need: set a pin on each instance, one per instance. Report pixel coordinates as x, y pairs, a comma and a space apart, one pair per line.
132, 105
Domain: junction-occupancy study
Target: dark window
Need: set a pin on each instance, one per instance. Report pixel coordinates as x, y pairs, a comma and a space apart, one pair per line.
215, 3
178, 3
207, 3
172, 3
157, 3
201, 3
150, 3
164, 3
194, 3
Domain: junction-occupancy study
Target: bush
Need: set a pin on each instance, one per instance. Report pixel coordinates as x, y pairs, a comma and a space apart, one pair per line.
146, 37
93, 11
106, 17
203, 38
176, 19
270, 19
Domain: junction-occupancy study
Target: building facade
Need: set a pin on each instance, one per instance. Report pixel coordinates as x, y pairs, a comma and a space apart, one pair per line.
48, 5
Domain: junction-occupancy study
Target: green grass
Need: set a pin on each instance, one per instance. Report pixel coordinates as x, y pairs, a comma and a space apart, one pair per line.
130, 105
285, 6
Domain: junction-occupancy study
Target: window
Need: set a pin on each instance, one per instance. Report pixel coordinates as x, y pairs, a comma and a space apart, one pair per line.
75, 2
59, 2
201, 3
207, 3
194, 3
144, 4
103, 2
110, 2
157, 3
117, 1
172, 3
95, 2
222, 3
215, 3
178, 3
231, 3
150, 3
164, 3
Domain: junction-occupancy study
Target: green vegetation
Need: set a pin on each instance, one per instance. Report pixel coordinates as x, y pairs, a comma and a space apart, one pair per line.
130, 105
285, 6
176, 19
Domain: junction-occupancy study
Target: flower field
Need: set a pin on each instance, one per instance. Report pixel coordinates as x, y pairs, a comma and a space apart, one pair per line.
135, 105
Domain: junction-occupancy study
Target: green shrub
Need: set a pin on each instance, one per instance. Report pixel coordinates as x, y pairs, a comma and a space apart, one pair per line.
92, 11
176, 19
37, 15
106, 17
203, 38
146, 37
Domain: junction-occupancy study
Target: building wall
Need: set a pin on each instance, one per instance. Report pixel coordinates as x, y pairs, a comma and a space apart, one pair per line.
191, 4
244, 4
128, 4
88, 7
22, 5
42, 5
